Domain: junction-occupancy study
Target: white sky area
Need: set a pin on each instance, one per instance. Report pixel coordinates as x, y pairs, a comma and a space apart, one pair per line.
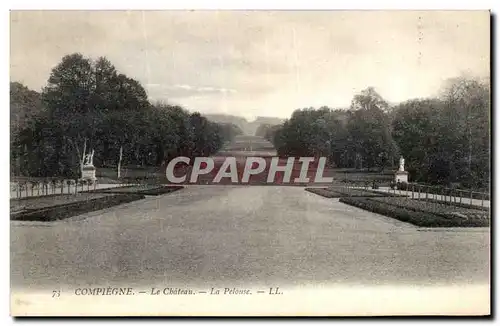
260, 63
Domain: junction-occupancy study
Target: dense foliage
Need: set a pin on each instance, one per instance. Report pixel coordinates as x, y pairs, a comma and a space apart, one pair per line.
444, 140
447, 139
88, 105
359, 137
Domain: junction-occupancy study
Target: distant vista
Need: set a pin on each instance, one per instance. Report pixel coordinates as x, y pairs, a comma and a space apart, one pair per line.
248, 128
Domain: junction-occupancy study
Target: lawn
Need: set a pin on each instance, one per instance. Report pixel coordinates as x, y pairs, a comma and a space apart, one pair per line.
456, 203
143, 189
422, 213
435, 207
51, 208
156, 175
444, 191
51, 200
339, 192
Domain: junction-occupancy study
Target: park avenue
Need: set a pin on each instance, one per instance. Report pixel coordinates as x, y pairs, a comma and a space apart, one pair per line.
239, 235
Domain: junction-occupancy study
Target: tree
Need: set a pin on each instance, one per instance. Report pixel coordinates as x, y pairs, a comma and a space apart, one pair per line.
229, 131
93, 106
370, 130
466, 109
25, 105
262, 129
369, 99
70, 97
416, 131
88, 105
370, 138
446, 139
131, 95
106, 91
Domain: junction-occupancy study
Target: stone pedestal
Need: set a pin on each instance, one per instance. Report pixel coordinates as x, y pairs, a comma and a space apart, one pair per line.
401, 176
88, 172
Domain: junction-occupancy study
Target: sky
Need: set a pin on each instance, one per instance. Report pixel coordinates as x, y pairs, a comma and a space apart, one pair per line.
260, 63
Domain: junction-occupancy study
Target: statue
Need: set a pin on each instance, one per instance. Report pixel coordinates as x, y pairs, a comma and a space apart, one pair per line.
401, 164
88, 168
86, 159
89, 159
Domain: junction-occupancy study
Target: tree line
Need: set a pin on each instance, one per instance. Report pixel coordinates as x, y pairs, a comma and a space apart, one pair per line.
87, 104
444, 139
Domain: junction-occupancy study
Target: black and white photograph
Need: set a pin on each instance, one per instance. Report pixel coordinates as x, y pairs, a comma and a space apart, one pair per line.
250, 162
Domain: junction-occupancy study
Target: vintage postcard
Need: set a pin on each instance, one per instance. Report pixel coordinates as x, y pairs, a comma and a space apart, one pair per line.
250, 163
